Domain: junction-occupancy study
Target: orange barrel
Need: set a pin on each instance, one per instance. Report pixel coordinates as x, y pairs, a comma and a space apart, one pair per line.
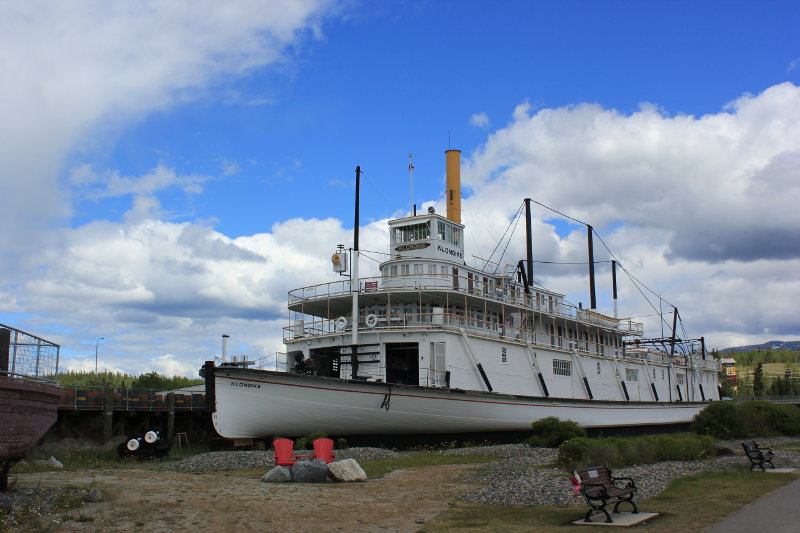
94, 399
144, 400
180, 401
69, 398
198, 401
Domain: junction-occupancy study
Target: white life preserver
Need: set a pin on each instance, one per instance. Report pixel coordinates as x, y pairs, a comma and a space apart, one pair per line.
133, 445
371, 320
341, 323
150, 437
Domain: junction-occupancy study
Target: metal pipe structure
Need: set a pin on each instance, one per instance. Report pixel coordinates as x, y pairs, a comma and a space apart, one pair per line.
96, 346
354, 283
453, 171
529, 240
614, 284
592, 296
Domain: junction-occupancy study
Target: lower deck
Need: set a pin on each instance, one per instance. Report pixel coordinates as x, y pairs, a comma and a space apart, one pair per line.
459, 360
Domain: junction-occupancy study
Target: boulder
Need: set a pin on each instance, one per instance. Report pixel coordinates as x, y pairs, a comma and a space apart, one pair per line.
95, 495
346, 470
310, 471
277, 474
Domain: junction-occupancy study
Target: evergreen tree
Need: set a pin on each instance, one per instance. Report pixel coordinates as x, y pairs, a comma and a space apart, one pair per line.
758, 380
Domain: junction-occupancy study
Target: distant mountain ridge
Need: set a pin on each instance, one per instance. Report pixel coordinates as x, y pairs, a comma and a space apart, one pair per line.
772, 345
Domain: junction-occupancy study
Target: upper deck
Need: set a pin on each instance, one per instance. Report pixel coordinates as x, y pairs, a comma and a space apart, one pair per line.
333, 299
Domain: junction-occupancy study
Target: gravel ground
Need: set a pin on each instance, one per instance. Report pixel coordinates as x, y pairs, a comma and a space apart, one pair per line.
524, 475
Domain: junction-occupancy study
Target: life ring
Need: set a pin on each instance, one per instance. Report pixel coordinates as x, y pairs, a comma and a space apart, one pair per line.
151, 437
133, 445
341, 323
371, 320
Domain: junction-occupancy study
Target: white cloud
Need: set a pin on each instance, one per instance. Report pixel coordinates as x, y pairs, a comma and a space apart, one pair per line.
703, 209
479, 120
793, 64
77, 65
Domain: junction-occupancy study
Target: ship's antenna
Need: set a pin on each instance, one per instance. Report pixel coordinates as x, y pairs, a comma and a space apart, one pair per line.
411, 181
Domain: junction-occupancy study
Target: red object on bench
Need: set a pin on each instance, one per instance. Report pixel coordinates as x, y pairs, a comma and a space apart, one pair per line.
323, 449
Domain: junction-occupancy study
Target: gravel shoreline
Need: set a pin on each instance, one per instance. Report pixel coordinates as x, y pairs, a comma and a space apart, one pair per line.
524, 475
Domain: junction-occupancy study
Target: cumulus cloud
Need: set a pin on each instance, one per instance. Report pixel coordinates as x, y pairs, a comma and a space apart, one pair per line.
702, 209
479, 120
77, 65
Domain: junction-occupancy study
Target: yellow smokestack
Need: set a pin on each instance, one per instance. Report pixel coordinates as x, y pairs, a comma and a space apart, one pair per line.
453, 170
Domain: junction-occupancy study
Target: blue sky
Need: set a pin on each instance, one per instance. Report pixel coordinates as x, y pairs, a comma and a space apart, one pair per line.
167, 161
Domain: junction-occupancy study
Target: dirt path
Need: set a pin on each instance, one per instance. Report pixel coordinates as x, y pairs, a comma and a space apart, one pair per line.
153, 501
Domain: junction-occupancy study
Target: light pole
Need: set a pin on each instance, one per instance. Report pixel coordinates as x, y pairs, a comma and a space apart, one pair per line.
96, 345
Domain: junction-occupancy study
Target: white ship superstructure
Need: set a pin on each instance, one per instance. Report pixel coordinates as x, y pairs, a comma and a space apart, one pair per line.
435, 345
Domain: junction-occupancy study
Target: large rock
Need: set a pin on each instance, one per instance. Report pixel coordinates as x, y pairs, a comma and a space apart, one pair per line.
347, 470
95, 495
310, 471
277, 475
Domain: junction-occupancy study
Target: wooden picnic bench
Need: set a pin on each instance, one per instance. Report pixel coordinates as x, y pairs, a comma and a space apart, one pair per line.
600, 488
758, 456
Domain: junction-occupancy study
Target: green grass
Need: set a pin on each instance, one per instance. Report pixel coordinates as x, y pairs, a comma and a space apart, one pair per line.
690, 504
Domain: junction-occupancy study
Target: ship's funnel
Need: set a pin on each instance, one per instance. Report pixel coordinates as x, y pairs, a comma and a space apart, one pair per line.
225, 348
453, 169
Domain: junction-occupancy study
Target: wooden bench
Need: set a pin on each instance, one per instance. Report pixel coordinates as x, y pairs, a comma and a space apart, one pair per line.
600, 488
758, 456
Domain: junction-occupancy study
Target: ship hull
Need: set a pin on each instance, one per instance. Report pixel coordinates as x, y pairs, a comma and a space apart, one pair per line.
259, 403
27, 410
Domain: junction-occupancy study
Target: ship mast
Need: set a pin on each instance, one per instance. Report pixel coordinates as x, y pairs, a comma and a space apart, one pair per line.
354, 284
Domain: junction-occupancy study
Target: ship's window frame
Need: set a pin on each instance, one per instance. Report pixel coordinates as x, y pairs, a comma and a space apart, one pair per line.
631, 374
503, 355
405, 269
448, 233
562, 367
412, 232
680, 379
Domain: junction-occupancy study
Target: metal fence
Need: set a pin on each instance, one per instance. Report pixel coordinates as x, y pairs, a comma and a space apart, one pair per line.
82, 397
28, 355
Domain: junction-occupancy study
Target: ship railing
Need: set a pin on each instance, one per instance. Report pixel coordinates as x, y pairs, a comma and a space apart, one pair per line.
510, 295
29, 355
442, 320
99, 398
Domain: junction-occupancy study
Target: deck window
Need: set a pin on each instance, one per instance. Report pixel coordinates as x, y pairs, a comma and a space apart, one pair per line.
680, 378
631, 374
562, 368
449, 233
412, 232
503, 355
404, 270
598, 369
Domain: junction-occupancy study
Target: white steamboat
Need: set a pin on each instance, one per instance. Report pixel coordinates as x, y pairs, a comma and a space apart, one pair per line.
435, 346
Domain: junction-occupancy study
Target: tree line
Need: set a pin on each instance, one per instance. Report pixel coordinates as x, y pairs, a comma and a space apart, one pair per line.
148, 380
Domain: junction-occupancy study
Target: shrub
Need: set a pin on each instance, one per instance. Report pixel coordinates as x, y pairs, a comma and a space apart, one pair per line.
620, 451
305, 443
550, 432
756, 418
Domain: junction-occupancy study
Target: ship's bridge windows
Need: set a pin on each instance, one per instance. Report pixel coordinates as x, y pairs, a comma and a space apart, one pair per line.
631, 374
448, 233
412, 232
404, 270
680, 378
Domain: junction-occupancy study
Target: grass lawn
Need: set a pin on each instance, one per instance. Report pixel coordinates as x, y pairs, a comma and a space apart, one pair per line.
689, 504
